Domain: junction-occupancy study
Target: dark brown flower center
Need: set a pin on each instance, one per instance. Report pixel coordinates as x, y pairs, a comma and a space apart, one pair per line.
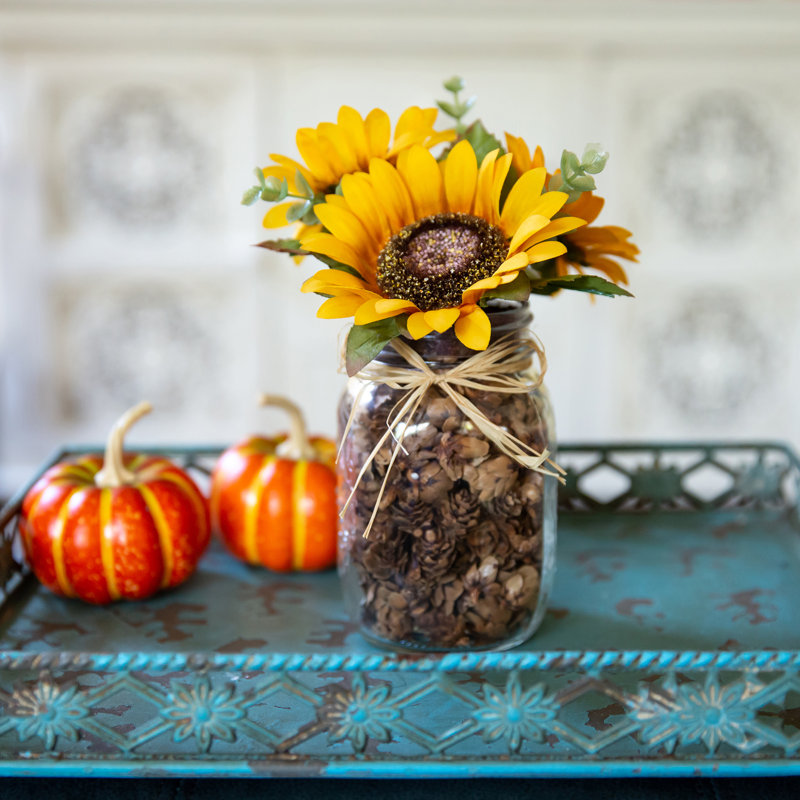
433, 260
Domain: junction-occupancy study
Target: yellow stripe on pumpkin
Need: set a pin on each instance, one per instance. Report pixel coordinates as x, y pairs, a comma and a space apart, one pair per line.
163, 531
299, 533
57, 541
107, 543
253, 503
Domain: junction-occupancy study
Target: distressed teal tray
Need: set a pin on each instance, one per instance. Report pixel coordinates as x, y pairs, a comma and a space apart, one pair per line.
671, 647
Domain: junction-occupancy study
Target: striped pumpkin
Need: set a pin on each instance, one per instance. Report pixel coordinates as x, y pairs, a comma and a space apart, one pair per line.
273, 499
125, 532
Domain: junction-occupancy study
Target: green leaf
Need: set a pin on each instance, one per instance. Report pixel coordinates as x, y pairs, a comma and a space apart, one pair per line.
259, 173
449, 109
570, 164
251, 195
274, 189
302, 185
583, 182
519, 289
291, 246
594, 159
593, 284
331, 264
364, 342
468, 103
297, 210
481, 140
454, 84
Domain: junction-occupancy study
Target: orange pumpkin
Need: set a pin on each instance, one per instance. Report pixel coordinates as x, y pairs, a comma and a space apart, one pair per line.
273, 500
115, 528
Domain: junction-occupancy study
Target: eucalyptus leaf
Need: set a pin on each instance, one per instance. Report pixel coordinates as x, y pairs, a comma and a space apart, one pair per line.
519, 289
570, 164
274, 189
468, 103
302, 185
592, 284
259, 173
449, 109
251, 195
583, 182
454, 84
364, 342
481, 140
297, 210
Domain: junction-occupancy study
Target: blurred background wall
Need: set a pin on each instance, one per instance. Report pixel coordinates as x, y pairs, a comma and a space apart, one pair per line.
128, 131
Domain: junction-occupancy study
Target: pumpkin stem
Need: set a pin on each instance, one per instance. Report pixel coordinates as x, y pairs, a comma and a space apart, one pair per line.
114, 473
296, 447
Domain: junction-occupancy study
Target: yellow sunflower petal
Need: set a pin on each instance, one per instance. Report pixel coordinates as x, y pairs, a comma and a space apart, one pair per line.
351, 123
460, 178
312, 153
327, 245
483, 187
360, 197
501, 168
422, 176
379, 131
514, 264
557, 227
522, 199
519, 152
332, 279
442, 319
417, 326
545, 251
338, 139
392, 193
529, 226
492, 282
474, 328
347, 228
395, 304
345, 305
368, 313
276, 216
550, 203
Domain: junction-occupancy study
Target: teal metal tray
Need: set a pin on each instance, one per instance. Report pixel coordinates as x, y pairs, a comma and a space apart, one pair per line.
671, 647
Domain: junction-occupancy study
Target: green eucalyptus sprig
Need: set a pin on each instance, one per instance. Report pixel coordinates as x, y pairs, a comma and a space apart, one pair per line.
456, 108
276, 190
576, 173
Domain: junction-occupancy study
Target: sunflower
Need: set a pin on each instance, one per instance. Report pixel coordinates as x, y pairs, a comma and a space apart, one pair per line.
428, 240
595, 246
332, 150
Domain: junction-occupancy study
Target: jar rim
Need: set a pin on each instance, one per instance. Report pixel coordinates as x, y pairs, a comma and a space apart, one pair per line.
507, 316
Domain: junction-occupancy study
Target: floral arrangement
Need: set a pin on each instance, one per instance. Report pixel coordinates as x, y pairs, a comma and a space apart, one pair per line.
415, 243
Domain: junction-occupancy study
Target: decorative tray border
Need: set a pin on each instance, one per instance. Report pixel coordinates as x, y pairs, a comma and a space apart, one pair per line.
362, 712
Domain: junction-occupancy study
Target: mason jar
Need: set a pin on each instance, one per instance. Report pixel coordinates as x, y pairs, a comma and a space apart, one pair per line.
461, 551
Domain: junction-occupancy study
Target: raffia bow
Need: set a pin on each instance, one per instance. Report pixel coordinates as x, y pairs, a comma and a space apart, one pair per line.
495, 369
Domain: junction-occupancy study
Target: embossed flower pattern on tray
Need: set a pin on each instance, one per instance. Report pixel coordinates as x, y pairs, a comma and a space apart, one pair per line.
692, 712
515, 714
203, 712
47, 711
360, 714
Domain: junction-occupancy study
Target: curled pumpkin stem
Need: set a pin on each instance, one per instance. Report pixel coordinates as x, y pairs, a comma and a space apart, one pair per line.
296, 447
114, 473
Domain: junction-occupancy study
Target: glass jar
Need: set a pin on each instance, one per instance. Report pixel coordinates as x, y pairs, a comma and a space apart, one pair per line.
461, 553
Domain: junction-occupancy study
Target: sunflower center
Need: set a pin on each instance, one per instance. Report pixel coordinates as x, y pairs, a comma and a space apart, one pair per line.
433, 260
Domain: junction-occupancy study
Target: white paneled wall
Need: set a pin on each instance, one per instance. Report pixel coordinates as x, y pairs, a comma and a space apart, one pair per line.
129, 130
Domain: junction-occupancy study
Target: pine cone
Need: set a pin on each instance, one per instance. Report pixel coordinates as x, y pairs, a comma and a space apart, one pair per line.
461, 511
434, 549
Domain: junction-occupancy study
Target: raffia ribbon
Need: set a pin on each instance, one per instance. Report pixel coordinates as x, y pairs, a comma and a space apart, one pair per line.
493, 370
